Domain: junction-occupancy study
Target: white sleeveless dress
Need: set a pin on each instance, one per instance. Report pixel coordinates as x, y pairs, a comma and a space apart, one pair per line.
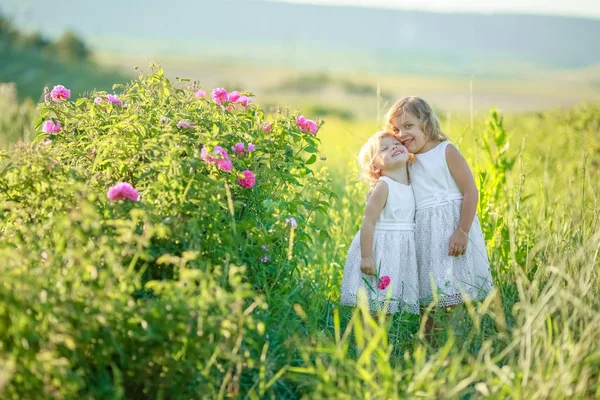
439, 201
394, 254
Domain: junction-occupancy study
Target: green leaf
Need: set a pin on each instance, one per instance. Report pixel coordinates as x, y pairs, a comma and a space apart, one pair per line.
311, 160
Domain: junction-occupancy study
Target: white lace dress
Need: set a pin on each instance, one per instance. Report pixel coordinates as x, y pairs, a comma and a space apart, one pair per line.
439, 201
394, 254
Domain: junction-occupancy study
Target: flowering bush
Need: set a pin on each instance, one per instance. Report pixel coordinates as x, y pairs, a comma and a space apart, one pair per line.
123, 233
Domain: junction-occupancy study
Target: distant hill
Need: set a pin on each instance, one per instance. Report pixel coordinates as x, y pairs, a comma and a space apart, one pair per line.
33, 62
319, 36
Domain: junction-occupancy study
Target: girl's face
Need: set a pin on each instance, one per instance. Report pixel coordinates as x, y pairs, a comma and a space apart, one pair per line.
408, 127
392, 154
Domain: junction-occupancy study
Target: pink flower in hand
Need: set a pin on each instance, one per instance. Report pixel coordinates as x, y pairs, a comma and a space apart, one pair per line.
248, 180
266, 127
123, 190
51, 127
384, 282
219, 95
60, 93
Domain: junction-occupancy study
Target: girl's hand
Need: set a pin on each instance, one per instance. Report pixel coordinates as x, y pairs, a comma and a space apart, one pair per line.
367, 266
458, 243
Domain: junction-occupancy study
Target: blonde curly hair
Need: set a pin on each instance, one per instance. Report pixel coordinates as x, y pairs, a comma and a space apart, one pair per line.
369, 172
430, 124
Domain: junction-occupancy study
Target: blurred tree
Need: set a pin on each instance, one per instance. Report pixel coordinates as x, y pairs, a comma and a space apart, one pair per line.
33, 40
7, 30
71, 47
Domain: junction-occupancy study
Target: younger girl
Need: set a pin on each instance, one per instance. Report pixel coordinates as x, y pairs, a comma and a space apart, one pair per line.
451, 251
383, 251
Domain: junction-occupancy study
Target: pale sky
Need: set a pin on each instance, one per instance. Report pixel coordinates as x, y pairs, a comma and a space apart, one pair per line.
584, 8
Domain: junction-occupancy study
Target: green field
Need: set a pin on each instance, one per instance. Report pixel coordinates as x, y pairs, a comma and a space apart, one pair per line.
145, 300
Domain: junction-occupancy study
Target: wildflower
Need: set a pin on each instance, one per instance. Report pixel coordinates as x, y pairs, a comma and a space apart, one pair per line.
123, 190
248, 180
51, 127
384, 282
60, 93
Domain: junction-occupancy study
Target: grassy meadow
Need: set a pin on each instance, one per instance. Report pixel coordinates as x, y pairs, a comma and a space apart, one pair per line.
92, 290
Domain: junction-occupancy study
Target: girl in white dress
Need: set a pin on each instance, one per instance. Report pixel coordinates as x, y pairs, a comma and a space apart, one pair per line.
451, 252
383, 251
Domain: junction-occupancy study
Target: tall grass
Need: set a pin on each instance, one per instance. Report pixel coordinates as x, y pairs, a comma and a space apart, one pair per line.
538, 334
101, 300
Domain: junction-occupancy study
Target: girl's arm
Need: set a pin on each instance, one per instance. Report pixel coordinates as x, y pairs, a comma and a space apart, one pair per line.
466, 183
375, 204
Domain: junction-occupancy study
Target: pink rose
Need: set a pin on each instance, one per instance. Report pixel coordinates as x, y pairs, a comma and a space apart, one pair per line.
60, 93
243, 100
123, 190
248, 180
200, 93
300, 122
233, 96
384, 282
266, 127
51, 127
219, 95
114, 99
219, 156
239, 148
225, 165
310, 126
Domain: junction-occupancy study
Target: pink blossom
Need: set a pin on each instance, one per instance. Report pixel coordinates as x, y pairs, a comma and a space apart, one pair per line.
292, 222
218, 156
311, 126
266, 127
60, 93
233, 96
185, 125
114, 99
200, 93
123, 190
243, 100
51, 127
251, 147
300, 122
219, 95
248, 180
225, 165
239, 148
384, 282
98, 100
229, 108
